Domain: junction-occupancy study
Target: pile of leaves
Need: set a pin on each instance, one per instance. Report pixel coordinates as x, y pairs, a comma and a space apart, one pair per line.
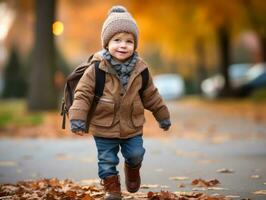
49, 189
165, 195
182, 196
203, 183
54, 189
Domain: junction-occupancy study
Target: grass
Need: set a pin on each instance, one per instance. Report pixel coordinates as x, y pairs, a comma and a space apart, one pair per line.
14, 113
259, 95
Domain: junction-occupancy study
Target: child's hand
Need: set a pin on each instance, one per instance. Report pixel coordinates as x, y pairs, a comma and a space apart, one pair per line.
78, 127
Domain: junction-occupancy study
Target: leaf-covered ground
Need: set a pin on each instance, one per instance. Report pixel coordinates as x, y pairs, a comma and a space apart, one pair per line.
54, 189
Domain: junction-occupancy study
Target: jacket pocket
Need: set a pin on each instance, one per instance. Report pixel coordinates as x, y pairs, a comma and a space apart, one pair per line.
137, 115
104, 113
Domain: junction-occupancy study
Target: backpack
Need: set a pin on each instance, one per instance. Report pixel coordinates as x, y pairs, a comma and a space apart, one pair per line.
73, 79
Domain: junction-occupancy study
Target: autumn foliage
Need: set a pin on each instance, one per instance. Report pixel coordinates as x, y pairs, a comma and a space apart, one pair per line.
52, 189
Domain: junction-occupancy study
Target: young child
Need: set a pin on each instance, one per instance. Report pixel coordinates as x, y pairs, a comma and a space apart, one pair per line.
119, 116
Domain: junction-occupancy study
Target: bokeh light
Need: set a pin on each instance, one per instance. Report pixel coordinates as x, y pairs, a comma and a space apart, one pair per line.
58, 28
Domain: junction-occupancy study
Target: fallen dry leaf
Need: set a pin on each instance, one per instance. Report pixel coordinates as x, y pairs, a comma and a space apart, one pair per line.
148, 186
7, 163
255, 176
54, 189
189, 194
54, 182
203, 183
217, 196
98, 194
138, 195
129, 198
224, 170
161, 196
179, 178
199, 189
260, 192
217, 188
87, 197
45, 189
199, 196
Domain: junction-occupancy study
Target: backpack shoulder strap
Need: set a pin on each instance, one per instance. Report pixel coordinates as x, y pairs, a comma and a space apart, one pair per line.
98, 92
145, 79
99, 80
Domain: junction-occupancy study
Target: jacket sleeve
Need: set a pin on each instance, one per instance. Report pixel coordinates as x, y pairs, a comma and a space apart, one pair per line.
83, 96
153, 101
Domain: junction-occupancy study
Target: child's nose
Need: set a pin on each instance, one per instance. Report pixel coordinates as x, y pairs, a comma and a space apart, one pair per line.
123, 44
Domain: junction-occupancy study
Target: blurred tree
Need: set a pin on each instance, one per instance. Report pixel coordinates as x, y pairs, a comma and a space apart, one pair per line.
184, 29
14, 80
221, 17
168, 27
256, 10
62, 69
42, 94
201, 36
223, 35
201, 73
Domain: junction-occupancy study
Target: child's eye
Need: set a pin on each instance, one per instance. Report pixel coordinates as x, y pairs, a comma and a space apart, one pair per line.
130, 41
117, 40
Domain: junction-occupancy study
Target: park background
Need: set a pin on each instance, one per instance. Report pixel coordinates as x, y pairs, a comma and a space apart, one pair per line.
41, 42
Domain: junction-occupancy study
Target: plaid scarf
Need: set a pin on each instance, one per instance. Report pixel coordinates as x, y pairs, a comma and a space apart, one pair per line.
124, 69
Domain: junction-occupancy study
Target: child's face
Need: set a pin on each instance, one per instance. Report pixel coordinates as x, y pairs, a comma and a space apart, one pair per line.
121, 46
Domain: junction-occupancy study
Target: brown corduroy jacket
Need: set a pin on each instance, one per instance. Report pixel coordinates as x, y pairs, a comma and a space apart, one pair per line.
120, 112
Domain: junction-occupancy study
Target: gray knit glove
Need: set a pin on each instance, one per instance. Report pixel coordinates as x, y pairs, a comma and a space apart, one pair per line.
77, 125
165, 124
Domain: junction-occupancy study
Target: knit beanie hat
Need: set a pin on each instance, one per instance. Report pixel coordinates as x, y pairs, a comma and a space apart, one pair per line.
118, 20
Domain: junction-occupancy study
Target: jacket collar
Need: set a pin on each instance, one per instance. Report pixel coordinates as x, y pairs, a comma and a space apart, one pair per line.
105, 66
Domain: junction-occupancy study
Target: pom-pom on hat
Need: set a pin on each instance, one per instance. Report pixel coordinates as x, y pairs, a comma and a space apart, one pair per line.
118, 20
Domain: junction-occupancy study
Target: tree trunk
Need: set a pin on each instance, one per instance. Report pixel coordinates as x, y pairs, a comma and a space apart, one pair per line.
224, 45
42, 95
200, 70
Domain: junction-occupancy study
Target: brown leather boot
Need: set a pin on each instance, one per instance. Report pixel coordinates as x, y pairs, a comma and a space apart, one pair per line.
112, 188
132, 178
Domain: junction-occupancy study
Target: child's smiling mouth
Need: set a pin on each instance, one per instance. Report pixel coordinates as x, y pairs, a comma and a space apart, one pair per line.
122, 52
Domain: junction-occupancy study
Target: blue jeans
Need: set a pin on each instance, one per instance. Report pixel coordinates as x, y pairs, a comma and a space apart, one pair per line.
132, 150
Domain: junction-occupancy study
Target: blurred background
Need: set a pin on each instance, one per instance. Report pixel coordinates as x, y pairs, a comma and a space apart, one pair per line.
207, 58
215, 47
205, 49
